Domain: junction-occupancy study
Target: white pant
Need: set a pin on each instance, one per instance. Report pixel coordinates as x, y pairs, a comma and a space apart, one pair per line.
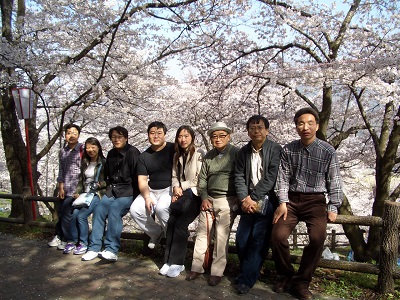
143, 218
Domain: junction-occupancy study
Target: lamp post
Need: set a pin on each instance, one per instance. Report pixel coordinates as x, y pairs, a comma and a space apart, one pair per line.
23, 98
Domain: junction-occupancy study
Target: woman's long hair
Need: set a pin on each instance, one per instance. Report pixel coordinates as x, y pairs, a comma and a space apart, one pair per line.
93, 141
178, 149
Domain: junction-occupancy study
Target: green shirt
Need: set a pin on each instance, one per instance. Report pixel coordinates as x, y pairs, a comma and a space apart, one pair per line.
217, 174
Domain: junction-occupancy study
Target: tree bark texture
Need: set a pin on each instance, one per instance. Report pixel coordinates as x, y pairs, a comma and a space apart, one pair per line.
389, 246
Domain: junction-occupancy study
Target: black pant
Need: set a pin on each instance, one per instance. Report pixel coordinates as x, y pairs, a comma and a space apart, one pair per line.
177, 232
64, 219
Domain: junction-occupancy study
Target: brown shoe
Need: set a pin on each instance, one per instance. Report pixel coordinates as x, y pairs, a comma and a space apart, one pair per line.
214, 280
191, 275
301, 293
283, 285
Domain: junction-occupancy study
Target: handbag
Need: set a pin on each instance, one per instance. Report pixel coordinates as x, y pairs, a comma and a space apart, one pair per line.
85, 199
208, 256
180, 205
262, 205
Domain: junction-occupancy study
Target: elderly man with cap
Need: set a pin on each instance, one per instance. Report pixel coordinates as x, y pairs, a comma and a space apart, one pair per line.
217, 191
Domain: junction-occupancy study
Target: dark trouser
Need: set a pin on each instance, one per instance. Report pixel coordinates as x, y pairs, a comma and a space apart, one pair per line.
64, 219
310, 208
177, 232
252, 243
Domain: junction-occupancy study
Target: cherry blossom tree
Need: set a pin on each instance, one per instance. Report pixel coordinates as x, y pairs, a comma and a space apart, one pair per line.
102, 63
95, 63
341, 60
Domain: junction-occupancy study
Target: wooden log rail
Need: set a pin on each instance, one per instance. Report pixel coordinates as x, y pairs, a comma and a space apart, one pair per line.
387, 269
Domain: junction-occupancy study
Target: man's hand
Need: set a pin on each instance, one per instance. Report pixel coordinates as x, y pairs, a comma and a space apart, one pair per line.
332, 216
206, 205
281, 211
149, 202
61, 193
248, 205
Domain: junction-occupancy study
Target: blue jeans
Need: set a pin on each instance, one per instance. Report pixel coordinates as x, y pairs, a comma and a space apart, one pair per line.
64, 218
113, 209
79, 227
252, 243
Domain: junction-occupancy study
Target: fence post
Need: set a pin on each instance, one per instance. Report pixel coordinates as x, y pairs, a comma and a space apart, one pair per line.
27, 205
333, 240
389, 247
295, 238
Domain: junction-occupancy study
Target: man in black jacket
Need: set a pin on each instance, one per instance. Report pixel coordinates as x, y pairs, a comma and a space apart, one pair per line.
122, 188
256, 169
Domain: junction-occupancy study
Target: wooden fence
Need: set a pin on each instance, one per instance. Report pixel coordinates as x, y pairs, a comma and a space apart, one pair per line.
386, 270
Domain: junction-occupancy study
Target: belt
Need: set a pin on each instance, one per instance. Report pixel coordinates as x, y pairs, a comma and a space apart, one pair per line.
300, 193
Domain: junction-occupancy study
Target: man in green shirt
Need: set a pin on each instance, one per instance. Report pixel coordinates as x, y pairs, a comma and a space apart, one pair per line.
217, 191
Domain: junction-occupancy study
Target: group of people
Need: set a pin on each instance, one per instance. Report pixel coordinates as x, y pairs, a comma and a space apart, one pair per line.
169, 185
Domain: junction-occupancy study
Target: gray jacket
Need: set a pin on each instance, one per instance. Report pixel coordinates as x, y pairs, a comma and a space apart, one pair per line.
270, 154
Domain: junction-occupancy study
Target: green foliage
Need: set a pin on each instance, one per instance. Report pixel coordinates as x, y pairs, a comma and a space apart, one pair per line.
5, 205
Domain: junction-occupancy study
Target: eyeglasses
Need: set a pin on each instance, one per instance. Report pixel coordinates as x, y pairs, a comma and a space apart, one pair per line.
117, 137
256, 128
221, 136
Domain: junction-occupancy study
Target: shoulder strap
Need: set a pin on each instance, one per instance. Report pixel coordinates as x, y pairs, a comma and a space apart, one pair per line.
81, 149
179, 172
98, 173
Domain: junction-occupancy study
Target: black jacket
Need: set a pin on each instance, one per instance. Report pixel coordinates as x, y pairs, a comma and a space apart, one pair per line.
120, 172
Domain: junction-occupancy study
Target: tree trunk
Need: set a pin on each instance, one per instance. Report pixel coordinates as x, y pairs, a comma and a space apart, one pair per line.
389, 245
14, 146
354, 234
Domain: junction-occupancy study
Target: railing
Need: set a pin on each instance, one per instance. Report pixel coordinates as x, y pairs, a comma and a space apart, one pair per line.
333, 244
386, 270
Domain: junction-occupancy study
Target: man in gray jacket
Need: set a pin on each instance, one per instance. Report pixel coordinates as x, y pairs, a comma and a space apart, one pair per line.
256, 170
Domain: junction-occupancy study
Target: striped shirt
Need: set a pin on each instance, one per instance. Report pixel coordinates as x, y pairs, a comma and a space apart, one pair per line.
310, 169
69, 168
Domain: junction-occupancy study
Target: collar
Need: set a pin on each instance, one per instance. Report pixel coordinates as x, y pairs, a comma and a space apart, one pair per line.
309, 147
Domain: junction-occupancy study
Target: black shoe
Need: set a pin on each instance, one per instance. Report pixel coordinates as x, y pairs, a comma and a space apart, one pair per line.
214, 280
301, 293
242, 289
283, 285
191, 275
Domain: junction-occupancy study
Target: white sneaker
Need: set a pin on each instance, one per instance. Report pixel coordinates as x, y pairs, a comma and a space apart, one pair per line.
175, 270
154, 242
108, 255
90, 255
61, 245
164, 269
54, 242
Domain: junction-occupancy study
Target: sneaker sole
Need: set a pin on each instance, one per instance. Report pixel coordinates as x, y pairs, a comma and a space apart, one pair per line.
175, 275
108, 259
88, 259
